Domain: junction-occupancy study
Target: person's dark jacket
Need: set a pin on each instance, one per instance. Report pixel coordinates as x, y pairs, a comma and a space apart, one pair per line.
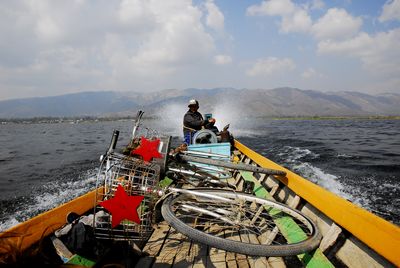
193, 120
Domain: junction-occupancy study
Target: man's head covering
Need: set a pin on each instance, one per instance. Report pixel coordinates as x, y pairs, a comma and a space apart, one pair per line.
193, 102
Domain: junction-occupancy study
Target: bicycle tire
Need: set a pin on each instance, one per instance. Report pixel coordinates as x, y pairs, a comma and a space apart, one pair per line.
173, 211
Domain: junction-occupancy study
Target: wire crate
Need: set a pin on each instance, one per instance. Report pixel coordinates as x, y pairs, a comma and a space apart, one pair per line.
137, 178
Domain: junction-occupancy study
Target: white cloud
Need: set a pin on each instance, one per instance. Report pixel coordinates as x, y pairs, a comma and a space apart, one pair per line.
137, 16
309, 73
390, 11
47, 29
336, 32
294, 18
179, 39
270, 66
215, 18
299, 21
272, 8
133, 11
222, 59
67, 46
317, 4
379, 53
336, 24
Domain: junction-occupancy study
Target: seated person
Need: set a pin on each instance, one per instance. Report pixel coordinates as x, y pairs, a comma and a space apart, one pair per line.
193, 121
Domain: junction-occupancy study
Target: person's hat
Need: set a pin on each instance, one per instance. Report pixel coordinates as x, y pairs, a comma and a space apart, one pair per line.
193, 102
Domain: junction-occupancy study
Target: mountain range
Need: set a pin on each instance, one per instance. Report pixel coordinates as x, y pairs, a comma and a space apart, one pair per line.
278, 102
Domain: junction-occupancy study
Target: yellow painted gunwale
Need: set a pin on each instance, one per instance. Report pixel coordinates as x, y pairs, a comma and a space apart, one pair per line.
25, 234
380, 235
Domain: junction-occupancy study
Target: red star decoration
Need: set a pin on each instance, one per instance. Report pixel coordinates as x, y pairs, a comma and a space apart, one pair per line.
122, 206
148, 149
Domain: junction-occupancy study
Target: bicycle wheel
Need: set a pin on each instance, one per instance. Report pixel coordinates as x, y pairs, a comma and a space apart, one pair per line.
240, 223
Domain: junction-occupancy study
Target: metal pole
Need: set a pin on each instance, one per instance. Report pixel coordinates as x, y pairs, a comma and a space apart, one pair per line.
238, 166
113, 141
137, 122
205, 154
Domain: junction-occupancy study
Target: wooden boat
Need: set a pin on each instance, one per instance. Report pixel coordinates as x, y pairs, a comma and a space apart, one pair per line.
352, 236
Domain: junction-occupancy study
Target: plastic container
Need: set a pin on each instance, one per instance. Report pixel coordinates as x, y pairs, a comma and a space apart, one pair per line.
222, 149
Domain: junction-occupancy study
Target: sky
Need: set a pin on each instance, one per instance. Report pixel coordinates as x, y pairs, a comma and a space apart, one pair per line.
55, 47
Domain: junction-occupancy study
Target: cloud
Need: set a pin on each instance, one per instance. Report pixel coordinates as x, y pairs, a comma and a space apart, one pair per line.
47, 29
390, 11
215, 18
336, 32
222, 59
317, 4
176, 27
309, 74
294, 18
270, 66
299, 21
272, 8
69, 46
132, 12
336, 24
379, 53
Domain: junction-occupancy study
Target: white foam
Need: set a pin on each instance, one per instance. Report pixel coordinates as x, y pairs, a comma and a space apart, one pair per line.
226, 113
244, 132
7, 224
326, 180
172, 118
54, 194
293, 154
65, 191
393, 187
171, 121
343, 156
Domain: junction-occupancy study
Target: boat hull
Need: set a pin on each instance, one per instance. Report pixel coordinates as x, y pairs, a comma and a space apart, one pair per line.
351, 235
25, 234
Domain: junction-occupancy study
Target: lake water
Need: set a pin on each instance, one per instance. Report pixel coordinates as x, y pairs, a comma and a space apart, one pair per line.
44, 165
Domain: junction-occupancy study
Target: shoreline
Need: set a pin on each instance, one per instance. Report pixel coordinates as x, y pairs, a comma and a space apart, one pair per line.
82, 119
376, 117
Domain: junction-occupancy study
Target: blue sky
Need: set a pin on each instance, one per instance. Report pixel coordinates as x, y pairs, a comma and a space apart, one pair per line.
57, 47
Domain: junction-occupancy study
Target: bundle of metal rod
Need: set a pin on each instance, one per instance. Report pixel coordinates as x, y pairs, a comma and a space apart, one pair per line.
238, 166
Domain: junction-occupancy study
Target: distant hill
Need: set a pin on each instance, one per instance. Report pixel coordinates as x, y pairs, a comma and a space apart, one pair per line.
257, 102
79, 104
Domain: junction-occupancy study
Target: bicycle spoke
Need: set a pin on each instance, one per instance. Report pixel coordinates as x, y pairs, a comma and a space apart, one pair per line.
239, 216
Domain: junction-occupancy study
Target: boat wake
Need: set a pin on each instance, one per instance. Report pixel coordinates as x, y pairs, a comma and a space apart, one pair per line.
298, 160
48, 196
326, 180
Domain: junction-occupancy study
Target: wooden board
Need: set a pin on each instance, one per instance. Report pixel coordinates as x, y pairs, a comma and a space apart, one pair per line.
293, 234
380, 235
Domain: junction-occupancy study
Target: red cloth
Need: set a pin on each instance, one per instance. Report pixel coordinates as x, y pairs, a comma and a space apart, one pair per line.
148, 149
122, 206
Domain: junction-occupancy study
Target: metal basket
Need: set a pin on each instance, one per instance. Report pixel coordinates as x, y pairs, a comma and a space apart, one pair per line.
138, 178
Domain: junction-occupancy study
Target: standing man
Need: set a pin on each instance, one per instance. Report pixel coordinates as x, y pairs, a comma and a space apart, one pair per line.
193, 121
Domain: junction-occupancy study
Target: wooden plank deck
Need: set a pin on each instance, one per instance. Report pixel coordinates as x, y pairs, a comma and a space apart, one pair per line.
168, 248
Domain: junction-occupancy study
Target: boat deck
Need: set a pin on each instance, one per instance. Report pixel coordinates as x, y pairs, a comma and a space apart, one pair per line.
352, 237
167, 247
338, 248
